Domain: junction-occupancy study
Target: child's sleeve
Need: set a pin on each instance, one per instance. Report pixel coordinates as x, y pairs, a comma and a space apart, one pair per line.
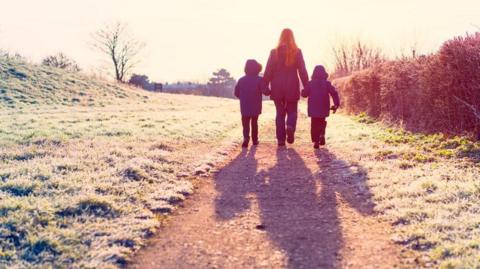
334, 93
237, 90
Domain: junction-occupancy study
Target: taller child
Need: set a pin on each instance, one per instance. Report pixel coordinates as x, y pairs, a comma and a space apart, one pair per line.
249, 91
284, 67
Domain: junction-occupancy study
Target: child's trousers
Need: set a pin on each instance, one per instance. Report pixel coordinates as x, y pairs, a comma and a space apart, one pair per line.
318, 128
246, 122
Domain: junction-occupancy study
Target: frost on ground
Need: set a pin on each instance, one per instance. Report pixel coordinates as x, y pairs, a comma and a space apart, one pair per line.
74, 195
87, 167
83, 183
375, 196
425, 186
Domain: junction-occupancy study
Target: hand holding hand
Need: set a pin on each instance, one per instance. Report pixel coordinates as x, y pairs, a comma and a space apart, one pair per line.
304, 93
334, 109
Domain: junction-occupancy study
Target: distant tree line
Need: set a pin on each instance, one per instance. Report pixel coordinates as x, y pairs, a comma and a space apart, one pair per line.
142, 81
186, 87
221, 84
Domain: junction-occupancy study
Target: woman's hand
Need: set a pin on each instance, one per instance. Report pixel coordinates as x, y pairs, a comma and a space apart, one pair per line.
304, 93
267, 92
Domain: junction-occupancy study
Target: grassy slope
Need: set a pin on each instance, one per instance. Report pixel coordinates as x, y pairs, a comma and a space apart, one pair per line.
23, 85
80, 181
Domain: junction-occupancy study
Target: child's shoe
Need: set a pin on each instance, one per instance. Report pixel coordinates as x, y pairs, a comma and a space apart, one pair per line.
316, 145
281, 143
255, 142
322, 140
245, 143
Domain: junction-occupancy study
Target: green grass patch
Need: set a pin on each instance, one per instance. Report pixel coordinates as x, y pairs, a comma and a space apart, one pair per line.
430, 146
364, 118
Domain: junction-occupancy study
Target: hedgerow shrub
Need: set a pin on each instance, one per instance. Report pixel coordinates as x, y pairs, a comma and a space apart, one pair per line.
434, 93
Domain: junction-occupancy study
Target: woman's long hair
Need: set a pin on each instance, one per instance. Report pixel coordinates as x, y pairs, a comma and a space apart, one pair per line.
288, 40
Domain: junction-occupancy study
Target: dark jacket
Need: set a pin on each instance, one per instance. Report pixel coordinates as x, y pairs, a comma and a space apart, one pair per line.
249, 90
318, 91
283, 79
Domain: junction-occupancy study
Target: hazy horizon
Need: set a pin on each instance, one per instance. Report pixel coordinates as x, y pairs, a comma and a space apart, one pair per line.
189, 39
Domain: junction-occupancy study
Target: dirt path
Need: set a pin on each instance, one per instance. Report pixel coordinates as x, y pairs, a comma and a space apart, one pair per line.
276, 208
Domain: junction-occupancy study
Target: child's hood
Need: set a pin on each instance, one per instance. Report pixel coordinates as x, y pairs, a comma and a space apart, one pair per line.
319, 73
252, 67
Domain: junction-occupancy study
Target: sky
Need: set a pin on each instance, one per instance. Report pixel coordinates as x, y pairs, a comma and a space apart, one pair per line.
187, 40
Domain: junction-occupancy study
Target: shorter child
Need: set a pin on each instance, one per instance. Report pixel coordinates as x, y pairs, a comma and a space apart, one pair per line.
318, 91
249, 91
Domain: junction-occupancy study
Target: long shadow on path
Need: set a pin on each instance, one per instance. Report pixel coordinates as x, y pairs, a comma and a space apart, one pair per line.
298, 207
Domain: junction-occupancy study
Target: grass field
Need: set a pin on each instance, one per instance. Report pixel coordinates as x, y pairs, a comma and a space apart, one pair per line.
425, 186
87, 168
81, 181
80, 185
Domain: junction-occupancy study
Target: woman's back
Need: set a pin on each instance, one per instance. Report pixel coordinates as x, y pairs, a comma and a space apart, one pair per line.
283, 76
284, 66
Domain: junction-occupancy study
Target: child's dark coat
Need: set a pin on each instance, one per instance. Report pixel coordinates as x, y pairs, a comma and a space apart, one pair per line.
318, 91
249, 91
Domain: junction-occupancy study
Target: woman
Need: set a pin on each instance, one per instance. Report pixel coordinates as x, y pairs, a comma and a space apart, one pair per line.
285, 65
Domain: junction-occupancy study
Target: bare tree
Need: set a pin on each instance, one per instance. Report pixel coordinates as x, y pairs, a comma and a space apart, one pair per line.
355, 56
120, 46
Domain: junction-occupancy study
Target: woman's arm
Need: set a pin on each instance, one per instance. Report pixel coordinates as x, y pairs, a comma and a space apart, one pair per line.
302, 70
306, 91
268, 75
262, 89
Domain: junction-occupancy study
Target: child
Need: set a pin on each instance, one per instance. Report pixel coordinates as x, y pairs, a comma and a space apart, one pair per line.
249, 91
318, 91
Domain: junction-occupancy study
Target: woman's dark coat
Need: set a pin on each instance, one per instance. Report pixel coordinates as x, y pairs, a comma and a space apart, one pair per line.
283, 79
249, 90
318, 91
